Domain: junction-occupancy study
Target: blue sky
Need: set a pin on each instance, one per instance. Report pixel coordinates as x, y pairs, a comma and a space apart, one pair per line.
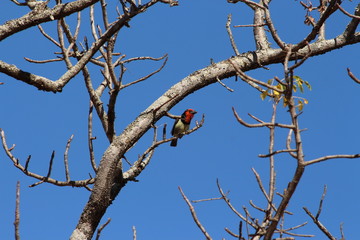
192, 33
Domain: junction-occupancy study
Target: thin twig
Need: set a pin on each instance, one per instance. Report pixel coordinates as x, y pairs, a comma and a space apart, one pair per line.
342, 232
104, 14
102, 228
227, 200
248, 2
91, 138
50, 165
353, 77
252, 81
272, 175
207, 199
321, 203
66, 159
231, 233
60, 26
232, 41
18, 3
17, 212
44, 61
251, 25
223, 84
263, 124
134, 232
303, 59
346, 13
147, 76
27, 163
48, 36
319, 225
272, 29
321, 159
193, 213
330, 9
276, 152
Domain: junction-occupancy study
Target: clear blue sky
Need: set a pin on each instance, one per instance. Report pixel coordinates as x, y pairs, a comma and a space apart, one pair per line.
192, 33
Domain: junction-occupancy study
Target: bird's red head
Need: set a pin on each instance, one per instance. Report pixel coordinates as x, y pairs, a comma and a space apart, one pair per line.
188, 115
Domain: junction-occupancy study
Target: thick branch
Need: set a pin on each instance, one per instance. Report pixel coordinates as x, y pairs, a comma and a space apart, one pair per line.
108, 169
46, 84
31, 19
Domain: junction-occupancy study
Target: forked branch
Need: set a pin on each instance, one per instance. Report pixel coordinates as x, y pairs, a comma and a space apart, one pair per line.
195, 218
47, 178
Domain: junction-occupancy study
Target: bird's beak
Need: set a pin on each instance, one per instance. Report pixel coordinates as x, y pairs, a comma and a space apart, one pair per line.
194, 112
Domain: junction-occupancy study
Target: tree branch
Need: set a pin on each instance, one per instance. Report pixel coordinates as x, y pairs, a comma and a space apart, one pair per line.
193, 213
79, 183
17, 212
29, 20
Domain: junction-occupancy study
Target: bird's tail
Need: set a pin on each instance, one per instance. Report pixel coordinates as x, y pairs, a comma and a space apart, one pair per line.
173, 143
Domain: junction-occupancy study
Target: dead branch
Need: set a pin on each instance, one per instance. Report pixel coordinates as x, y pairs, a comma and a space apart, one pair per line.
352, 76
207, 199
91, 138
272, 28
325, 158
276, 152
321, 203
66, 158
287, 231
262, 124
102, 228
17, 212
247, 2
232, 234
50, 165
252, 81
48, 36
272, 176
346, 13
18, 3
227, 200
224, 85
319, 225
261, 186
342, 232
134, 232
195, 218
47, 179
330, 9
251, 25
232, 41
44, 61
57, 86
149, 75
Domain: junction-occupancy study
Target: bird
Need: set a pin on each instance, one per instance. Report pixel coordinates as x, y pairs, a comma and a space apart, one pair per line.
181, 125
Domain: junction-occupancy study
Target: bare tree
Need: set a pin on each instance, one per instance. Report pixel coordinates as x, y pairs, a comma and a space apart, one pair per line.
110, 176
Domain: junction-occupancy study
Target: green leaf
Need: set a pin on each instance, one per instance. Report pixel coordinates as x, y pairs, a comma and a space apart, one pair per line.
300, 105
264, 94
300, 86
308, 85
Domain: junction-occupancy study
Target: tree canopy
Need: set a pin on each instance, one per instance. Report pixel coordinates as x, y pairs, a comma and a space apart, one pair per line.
90, 90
